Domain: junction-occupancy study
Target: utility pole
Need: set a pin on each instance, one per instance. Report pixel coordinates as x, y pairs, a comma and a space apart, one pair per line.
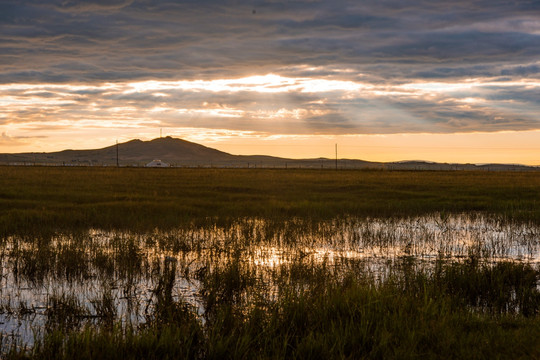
161, 132
336, 156
117, 163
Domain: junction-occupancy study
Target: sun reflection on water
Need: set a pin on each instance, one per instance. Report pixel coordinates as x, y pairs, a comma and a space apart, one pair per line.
128, 267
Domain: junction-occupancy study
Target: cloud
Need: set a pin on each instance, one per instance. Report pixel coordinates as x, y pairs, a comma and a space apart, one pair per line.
6, 139
144, 39
104, 46
294, 106
521, 70
92, 5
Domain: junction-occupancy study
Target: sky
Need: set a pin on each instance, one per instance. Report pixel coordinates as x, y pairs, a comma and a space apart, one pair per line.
386, 80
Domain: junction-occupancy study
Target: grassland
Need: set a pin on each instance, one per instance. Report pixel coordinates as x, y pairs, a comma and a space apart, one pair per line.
181, 263
69, 199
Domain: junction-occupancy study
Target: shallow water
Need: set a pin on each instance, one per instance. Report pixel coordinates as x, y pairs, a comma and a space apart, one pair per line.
101, 275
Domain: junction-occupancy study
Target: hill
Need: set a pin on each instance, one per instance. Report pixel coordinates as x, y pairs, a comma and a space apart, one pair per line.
131, 153
174, 151
178, 152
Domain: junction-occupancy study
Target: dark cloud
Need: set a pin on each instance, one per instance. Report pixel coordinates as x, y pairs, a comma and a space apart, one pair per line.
91, 5
521, 70
380, 43
119, 40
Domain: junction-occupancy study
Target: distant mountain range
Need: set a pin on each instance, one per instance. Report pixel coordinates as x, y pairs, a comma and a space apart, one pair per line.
182, 153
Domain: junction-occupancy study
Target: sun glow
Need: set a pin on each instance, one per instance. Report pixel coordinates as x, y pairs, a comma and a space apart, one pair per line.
270, 83
281, 115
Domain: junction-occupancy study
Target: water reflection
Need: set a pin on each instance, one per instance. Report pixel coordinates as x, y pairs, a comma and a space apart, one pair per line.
105, 276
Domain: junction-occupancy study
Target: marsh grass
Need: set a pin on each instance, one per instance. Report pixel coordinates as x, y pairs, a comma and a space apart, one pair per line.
212, 264
350, 317
41, 201
346, 288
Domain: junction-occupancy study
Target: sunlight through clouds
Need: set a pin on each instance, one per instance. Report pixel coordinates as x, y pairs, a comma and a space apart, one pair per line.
289, 71
269, 83
296, 107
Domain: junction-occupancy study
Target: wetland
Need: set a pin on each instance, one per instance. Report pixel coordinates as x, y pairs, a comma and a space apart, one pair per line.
220, 263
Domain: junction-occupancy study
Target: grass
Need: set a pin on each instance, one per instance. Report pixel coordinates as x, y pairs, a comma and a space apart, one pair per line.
52, 199
430, 316
107, 251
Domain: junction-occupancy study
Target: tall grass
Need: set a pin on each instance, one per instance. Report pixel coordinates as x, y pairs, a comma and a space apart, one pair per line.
269, 264
462, 310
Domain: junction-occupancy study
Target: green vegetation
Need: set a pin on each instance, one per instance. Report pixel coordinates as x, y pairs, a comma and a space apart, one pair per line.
107, 263
409, 315
46, 199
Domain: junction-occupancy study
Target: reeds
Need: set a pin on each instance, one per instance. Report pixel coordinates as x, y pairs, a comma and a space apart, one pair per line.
268, 264
411, 314
277, 290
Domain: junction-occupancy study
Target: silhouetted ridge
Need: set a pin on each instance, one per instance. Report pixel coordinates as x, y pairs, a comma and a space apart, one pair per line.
178, 152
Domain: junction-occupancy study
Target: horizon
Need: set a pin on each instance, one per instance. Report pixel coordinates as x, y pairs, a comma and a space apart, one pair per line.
285, 158
439, 82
